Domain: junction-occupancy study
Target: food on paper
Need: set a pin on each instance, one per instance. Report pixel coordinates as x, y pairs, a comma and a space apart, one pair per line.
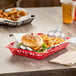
40, 43
13, 15
51, 41
33, 41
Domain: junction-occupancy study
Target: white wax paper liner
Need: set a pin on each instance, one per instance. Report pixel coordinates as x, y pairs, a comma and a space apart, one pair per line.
56, 33
53, 33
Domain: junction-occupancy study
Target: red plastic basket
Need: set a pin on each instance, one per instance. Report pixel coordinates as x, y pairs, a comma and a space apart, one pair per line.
33, 54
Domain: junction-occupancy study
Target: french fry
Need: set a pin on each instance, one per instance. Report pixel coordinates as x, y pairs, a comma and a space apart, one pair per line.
13, 15
49, 42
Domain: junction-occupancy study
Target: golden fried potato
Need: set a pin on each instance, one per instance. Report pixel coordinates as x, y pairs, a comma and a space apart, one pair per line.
12, 15
16, 16
1, 11
11, 12
49, 42
5, 14
1, 16
8, 18
14, 9
21, 13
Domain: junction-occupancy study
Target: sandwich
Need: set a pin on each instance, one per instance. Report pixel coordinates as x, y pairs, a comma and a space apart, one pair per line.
32, 41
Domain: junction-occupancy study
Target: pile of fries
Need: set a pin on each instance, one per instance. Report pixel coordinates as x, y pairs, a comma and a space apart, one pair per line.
13, 15
49, 42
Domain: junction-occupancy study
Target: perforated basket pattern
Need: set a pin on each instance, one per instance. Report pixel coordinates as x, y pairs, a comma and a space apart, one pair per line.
33, 54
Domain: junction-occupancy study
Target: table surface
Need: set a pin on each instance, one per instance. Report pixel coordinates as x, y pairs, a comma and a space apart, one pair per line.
46, 19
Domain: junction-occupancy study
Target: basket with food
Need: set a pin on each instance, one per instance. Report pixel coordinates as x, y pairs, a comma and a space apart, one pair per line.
15, 16
36, 45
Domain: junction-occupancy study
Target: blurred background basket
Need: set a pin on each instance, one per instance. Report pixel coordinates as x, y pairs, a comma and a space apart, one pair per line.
13, 23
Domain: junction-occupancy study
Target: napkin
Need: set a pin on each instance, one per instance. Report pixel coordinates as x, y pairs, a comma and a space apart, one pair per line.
68, 58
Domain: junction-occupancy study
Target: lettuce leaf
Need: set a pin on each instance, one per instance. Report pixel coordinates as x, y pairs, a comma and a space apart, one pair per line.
43, 48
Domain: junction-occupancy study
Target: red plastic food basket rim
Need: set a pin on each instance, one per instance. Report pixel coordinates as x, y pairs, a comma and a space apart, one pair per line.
11, 44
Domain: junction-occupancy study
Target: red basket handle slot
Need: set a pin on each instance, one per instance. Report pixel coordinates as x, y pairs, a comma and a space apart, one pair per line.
67, 37
38, 33
9, 45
